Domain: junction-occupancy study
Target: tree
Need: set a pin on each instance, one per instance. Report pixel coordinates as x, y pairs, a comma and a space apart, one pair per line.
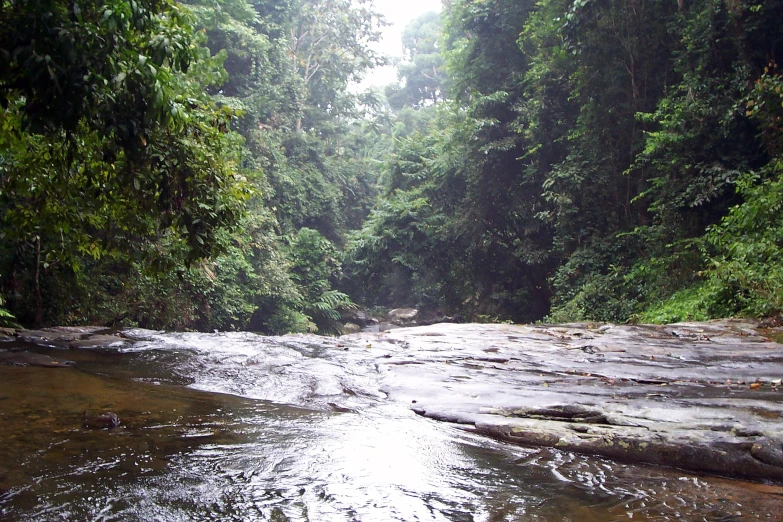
108, 143
329, 48
422, 73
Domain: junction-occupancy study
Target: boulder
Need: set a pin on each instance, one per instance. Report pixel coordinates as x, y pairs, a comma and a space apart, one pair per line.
54, 337
359, 317
350, 328
105, 420
356, 317
403, 316
774, 321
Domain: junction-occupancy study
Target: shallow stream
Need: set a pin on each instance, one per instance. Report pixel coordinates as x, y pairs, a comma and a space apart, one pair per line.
240, 427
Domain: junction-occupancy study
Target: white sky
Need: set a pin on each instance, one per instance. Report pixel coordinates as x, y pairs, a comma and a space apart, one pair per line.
399, 13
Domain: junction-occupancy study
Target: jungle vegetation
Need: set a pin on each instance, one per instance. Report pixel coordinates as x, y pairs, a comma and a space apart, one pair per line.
210, 165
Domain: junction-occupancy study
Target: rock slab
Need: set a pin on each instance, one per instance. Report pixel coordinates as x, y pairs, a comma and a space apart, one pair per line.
706, 397
88, 337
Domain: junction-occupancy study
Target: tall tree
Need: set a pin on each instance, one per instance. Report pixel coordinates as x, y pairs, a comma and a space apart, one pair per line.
328, 49
422, 74
107, 141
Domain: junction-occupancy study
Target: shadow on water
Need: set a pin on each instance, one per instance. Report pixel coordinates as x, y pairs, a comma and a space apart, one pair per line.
182, 454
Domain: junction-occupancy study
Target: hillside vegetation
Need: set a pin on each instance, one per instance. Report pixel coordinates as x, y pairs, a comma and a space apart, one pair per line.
208, 165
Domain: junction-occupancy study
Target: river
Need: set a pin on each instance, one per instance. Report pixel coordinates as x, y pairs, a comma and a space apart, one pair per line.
250, 428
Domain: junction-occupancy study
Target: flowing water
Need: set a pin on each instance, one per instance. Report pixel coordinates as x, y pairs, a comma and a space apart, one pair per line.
240, 427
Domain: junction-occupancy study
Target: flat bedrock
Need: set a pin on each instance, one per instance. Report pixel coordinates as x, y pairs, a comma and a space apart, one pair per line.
705, 397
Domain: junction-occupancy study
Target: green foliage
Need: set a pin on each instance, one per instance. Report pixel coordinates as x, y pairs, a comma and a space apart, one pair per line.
422, 73
315, 267
589, 287
7, 319
675, 176
698, 303
109, 62
109, 145
389, 259
143, 153
458, 228
592, 192
743, 270
248, 287
330, 47
748, 243
201, 167
288, 69
125, 195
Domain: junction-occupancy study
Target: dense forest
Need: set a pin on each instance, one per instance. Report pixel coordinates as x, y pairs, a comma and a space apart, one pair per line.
212, 164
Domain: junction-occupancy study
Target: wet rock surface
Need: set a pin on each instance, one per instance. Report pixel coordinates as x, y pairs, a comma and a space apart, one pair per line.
409, 317
104, 420
25, 358
189, 426
349, 328
705, 397
90, 337
402, 316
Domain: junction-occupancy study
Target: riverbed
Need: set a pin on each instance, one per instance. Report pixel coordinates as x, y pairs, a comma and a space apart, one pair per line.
413, 424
